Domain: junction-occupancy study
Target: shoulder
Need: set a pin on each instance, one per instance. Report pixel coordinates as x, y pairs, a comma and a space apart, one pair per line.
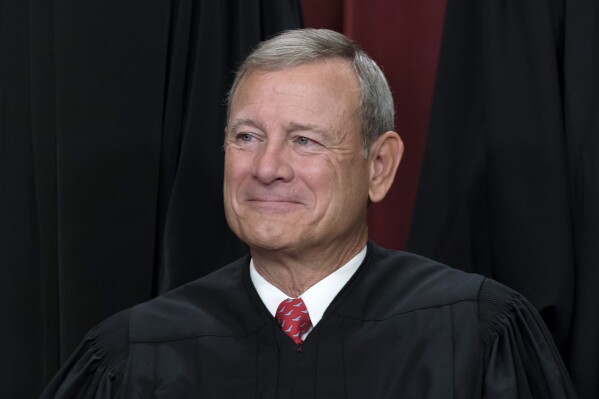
97, 366
216, 304
495, 297
207, 306
502, 309
519, 355
394, 282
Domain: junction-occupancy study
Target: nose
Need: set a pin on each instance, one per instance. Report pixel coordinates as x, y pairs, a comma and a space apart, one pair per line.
273, 163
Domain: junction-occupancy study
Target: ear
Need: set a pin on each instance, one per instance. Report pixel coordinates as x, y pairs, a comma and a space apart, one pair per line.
384, 157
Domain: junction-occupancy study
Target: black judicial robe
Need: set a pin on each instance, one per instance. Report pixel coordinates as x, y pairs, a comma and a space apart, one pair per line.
402, 327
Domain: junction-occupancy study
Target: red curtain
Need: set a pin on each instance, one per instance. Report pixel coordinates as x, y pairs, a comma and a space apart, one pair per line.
403, 37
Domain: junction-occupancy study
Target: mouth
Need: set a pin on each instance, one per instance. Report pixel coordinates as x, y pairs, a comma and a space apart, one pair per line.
273, 205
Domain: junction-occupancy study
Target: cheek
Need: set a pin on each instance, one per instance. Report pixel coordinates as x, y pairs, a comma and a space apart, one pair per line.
352, 186
326, 181
236, 167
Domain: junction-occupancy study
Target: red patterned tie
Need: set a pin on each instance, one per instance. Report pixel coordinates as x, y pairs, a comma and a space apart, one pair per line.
294, 319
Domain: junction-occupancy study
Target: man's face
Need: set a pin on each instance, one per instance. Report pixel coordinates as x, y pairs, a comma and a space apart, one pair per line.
295, 174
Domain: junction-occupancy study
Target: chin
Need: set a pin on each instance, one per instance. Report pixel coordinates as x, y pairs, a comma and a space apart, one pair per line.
267, 246
267, 242
269, 238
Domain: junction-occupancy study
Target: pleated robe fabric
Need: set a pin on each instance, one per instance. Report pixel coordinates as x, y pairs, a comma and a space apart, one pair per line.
402, 327
510, 179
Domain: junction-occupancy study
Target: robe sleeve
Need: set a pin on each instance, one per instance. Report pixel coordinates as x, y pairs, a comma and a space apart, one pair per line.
96, 368
521, 360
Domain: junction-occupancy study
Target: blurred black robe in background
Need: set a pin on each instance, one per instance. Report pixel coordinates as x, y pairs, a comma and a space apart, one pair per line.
510, 180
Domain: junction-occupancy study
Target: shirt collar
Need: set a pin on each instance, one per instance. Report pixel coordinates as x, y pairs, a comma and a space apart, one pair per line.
318, 297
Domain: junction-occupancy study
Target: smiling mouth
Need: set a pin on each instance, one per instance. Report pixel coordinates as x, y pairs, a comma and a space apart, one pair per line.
272, 200
272, 205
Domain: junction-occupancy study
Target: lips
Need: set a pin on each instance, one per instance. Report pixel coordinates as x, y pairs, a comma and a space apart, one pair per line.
272, 204
272, 201
272, 196
261, 199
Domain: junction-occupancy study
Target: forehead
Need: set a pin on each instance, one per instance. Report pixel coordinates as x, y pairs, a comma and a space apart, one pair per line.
327, 75
329, 80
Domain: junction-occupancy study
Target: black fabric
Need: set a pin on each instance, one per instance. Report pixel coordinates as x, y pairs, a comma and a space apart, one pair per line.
111, 123
403, 326
509, 186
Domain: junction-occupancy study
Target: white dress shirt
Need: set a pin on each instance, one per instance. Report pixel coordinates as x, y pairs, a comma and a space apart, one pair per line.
317, 298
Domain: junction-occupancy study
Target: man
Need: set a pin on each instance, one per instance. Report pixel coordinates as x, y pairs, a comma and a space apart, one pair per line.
317, 310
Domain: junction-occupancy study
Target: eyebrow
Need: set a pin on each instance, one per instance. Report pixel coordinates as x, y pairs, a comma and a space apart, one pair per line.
291, 126
295, 126
243, 121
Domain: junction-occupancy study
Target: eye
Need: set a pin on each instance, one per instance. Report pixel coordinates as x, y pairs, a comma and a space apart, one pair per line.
301, 140
245, 137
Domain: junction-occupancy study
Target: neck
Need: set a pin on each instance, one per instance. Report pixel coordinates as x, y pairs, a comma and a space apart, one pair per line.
294, 272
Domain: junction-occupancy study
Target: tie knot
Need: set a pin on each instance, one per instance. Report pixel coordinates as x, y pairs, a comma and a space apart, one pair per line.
293, 318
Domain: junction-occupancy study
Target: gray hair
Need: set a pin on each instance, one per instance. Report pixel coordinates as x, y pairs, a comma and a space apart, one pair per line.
303, 46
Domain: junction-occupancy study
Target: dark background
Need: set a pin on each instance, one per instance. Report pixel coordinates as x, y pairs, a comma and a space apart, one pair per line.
111, 117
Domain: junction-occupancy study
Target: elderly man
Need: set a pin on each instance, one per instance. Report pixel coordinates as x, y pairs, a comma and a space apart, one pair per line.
317, 310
